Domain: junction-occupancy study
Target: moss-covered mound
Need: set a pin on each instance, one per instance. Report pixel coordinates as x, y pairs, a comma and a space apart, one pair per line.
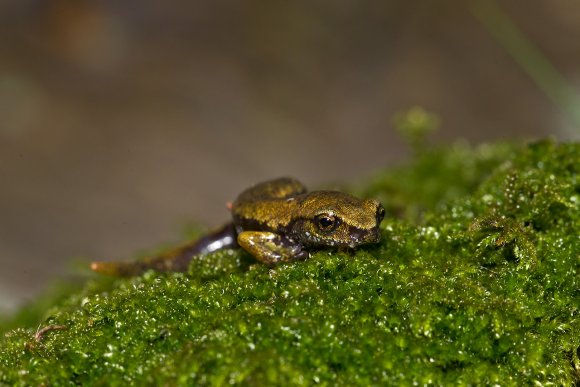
476, 281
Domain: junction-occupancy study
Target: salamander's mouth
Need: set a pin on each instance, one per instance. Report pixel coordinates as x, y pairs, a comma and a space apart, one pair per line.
360, 236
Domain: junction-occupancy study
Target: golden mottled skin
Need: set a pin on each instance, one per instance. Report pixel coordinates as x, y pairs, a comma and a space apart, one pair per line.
356, 212
276, 221
268, 202
284, 207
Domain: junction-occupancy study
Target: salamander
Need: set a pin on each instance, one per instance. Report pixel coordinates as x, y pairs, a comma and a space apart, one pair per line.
275, 221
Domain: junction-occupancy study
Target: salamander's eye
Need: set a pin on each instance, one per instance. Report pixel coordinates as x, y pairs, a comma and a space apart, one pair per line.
326, 222
380, 213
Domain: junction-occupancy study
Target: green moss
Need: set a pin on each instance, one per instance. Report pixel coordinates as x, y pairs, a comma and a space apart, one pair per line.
476, 282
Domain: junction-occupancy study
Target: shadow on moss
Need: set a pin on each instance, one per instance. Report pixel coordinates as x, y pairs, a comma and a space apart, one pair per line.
475, 282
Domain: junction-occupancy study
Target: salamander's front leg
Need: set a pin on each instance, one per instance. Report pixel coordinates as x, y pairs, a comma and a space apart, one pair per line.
270, 248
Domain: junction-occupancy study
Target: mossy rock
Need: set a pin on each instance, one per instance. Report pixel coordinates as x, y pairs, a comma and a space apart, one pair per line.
476, 281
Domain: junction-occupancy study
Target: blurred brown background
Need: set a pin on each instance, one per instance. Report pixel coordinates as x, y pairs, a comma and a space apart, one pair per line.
120, 122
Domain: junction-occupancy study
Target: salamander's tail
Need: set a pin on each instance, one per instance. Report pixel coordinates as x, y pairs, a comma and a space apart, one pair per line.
117, 269
177, 259
173, 260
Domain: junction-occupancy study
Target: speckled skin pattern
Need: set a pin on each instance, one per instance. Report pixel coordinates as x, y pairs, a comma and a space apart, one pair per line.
275, 221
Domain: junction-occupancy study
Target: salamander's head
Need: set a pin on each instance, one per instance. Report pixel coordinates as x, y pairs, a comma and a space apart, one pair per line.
330, 218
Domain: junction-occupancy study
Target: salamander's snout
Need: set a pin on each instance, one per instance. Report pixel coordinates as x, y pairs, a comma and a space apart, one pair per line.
361, 236
380, 215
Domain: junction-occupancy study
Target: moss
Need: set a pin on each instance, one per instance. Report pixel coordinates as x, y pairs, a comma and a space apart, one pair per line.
475, 282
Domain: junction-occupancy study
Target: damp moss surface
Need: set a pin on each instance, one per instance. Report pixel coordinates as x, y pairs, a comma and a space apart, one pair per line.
476, 281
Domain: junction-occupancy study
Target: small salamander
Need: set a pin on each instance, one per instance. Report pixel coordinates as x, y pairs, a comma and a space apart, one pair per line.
275, 221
